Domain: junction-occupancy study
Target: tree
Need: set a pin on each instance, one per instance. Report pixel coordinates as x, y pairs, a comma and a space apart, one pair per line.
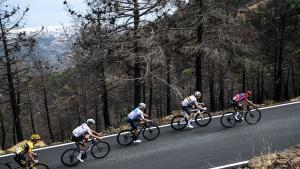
11, 44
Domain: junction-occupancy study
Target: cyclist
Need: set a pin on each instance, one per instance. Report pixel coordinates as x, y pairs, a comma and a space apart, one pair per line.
188, 103
19, 155
135, 116
238, 100
81, 135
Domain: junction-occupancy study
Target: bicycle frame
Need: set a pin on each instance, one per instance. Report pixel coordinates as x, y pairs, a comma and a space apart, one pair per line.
142, 127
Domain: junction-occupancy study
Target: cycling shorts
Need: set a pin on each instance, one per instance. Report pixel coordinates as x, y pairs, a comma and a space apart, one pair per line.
79, 140
186, 109
20, 159
133, 123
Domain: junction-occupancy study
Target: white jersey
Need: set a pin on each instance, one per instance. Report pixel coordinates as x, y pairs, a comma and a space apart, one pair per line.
81, 130
136, 114
189, 101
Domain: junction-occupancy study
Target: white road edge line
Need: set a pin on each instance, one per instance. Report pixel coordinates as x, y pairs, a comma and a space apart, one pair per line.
231, 165
60, 145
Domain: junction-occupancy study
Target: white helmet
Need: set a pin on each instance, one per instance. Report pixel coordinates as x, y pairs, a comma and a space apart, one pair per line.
197, 94
90, 121
142, 105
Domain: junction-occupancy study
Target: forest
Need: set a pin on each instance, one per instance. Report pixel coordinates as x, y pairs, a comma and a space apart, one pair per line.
155, 51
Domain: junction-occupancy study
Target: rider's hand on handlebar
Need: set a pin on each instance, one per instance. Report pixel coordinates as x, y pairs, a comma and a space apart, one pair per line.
36, 161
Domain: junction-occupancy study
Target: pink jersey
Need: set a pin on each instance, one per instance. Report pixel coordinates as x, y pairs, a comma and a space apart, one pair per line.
240, 97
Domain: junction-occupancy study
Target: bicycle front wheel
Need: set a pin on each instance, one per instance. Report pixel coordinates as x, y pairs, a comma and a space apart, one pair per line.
253, 116
179, 122
100, 149
228, 120
151, 132
125, 137
41, 166
203, 119
69, 157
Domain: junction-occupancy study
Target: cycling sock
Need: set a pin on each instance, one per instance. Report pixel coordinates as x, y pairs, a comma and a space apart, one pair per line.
80, 154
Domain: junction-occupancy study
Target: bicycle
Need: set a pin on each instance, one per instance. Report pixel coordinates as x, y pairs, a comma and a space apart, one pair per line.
30, 165
251, 117
149, 129
99, 149
202, 118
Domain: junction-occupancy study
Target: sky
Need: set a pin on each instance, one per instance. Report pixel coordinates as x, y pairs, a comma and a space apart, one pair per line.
48, 13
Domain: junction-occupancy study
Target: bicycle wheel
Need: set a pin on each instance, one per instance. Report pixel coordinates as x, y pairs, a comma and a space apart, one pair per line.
125, 137
69, 157
41, 166
228, 120
151, 132
100, 149
252, 116
179, 122
203, 119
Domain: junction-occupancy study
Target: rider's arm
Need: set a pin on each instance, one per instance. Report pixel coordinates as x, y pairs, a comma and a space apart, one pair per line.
251, 103
32, 156
94, 134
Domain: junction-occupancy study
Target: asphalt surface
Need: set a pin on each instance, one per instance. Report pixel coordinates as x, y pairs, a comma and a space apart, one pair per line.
198, 148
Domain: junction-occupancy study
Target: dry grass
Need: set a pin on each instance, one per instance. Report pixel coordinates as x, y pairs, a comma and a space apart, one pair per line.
287, 159
13, 148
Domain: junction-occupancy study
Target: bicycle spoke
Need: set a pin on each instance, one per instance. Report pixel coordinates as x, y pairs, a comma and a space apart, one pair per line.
125, 137
100, 149
252, 116
68, 158
178, 122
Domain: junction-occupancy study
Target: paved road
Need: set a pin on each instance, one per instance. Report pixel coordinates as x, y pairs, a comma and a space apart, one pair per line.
197, 148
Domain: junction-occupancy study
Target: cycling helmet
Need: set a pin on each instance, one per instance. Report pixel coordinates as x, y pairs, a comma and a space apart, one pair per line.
249, 92
35, 137
197, 94
90, 121
142, 105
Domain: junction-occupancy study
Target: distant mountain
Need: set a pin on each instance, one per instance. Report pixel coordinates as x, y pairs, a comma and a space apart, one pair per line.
52, 43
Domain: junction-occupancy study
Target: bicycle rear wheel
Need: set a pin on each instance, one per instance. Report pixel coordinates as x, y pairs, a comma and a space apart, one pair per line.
69, 157
179, 122
228, 120
41, 166
100, 149
151, 132
203, 119
125, 137
253, 116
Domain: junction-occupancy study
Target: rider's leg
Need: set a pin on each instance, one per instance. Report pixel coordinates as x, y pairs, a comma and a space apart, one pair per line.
21, 160
133, 126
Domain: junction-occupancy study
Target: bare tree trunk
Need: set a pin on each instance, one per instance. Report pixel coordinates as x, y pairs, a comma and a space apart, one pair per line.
199, 77
262, 86
137, 65
31, 113
46, 106
278, 84
104, 95
293, 80
168, 87
150, 97
258, 86
212, 87
222, 93
97, 114
2, 130
244, 79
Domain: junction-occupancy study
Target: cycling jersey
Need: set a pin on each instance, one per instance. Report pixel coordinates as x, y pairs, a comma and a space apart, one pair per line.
240, 97
27, 147
81, 130
136, 114
189, 101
